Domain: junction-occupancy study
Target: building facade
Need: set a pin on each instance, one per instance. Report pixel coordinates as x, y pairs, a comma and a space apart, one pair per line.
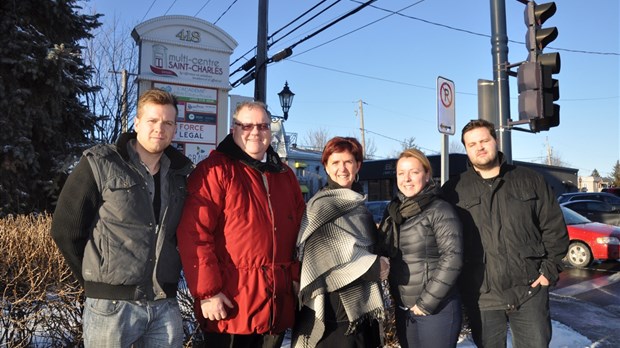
379, 176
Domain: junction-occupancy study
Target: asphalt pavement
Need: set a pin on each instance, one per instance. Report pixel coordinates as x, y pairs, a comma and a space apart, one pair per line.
601, 325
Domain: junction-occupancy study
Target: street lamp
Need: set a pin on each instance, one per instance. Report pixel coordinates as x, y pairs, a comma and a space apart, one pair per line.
286, 99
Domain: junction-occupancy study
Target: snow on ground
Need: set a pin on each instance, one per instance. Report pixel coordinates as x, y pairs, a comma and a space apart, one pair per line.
563, 337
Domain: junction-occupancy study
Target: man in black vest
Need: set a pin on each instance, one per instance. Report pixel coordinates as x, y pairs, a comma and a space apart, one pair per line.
115, 224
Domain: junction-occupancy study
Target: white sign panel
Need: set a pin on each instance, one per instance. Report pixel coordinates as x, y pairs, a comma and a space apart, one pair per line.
184, 64
195, 132
203, 108
445, 106
190, 93
197, 152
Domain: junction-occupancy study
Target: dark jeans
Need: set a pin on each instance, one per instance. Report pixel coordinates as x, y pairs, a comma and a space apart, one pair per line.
222, 340
530, 324
440, 330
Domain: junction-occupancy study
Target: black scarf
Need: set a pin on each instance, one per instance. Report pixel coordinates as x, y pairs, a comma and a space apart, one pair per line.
400, 209
231, 149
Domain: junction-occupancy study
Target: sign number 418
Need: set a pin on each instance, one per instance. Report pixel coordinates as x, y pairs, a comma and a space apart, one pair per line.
188, 35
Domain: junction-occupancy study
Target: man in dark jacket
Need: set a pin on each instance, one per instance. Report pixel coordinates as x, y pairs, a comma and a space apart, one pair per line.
116, 224
514, 242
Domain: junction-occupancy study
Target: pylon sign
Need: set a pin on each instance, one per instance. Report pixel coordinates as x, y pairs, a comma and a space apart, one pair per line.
189, 58
446, 120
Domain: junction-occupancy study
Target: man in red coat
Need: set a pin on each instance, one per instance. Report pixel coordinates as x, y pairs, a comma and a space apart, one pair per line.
237, 237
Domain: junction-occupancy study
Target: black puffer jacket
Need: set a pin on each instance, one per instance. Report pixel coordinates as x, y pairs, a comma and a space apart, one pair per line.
425, 266
513, 232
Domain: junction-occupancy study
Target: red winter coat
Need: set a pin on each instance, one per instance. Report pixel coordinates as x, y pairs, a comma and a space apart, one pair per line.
237, 236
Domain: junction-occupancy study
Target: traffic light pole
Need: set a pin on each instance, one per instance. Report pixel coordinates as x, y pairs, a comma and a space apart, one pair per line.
499, 42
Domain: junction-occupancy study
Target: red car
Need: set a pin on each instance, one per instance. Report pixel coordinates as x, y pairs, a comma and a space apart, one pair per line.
590, 240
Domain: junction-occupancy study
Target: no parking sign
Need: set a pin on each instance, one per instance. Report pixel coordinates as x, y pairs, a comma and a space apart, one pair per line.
445, 106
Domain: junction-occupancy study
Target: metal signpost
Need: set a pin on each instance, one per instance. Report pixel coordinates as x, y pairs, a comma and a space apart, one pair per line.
445, 121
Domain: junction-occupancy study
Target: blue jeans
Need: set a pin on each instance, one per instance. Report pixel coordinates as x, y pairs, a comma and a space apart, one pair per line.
439, 330
530, 324
114, 323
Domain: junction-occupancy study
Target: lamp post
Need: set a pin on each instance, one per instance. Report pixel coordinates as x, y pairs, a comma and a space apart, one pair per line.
286, 99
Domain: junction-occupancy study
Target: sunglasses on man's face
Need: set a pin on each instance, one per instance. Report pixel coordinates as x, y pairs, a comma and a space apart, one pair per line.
249, 126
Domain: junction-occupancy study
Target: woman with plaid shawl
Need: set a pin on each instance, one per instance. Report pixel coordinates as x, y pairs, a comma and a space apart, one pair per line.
340, 295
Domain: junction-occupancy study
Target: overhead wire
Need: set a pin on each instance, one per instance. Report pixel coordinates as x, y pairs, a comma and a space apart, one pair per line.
174, 2
203, 6
337, 20
400, 141
276, 32
398, 12
302, 15
485, 35
149, 10
359, 28
362, 75
248, 75
225, 11
302, 24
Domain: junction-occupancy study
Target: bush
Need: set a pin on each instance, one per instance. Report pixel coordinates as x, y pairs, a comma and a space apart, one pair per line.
42, 302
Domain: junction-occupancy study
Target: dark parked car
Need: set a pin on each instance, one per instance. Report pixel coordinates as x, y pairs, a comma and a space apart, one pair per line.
596, 211
590, 240
614, 190
596, 196
377, 208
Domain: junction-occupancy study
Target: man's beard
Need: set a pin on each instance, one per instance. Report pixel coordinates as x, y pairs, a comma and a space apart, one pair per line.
489, 165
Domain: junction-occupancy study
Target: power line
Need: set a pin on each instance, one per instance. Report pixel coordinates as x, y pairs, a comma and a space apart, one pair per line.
149, 10
203, 6
275, 33
225, 11
302, 24
486, 35
346, 15
250, 74
400, 141
303, 14
374, 77
360, 28
174, 2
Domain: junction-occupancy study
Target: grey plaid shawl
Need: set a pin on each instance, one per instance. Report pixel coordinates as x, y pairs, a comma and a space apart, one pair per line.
334, 245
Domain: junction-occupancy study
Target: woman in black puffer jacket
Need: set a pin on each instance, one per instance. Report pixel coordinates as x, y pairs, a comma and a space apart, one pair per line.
422, 235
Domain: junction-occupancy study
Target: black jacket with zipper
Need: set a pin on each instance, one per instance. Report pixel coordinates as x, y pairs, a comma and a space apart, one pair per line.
513, 232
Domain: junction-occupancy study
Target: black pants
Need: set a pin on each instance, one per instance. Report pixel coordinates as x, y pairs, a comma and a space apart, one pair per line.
530, 324
222, 340
440, 330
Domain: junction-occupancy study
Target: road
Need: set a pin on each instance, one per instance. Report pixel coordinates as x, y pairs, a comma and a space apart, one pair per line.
588, 301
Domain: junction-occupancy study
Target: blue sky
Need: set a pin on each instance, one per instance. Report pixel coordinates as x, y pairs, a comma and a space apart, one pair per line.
392, 64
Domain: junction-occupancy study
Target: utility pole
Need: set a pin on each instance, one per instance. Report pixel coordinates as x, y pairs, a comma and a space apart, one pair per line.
124, 116
260, 82
499, 43
362, 129
549, 151
124, 98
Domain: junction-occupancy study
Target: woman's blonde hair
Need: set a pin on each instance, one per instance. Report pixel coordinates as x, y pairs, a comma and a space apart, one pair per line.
419, 155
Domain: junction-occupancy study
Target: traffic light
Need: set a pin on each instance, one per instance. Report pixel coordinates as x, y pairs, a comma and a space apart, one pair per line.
537, 88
